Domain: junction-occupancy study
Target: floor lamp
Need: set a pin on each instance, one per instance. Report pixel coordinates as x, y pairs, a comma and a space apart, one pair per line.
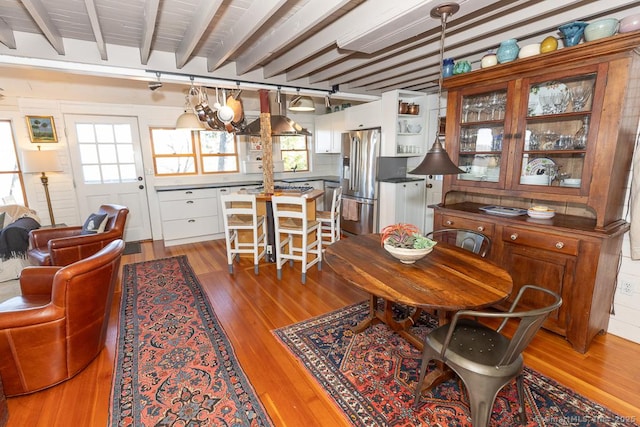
41, 162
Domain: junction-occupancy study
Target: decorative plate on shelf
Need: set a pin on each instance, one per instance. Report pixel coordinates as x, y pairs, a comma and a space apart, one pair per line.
503, 210
539, 166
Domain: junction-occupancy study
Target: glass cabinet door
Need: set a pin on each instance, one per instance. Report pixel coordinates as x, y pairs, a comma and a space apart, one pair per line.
481, 136
557, 132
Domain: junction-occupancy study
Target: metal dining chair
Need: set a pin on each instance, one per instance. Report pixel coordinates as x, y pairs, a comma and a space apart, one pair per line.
330, 220
244, 229
470, 240
485, 359
296, 236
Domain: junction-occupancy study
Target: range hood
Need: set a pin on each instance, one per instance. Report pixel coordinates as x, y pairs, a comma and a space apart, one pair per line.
280, 125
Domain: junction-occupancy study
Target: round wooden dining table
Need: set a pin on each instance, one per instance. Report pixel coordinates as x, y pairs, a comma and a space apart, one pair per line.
446, 280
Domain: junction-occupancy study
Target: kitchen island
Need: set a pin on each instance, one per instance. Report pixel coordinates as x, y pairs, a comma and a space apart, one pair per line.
264, 207
192, 213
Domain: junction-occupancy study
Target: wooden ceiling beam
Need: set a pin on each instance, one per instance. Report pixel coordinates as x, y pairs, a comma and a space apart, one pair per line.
6, 35
310, 15
41, 17
202, 17
95, 27
252, 20
148, 29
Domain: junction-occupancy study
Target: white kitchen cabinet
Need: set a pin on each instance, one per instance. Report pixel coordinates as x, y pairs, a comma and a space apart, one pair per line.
363, 116
328, 132
410, 203
189, 215
404, 134
402, 202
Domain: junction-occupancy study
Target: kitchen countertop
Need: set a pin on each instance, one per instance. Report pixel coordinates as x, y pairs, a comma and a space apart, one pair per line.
399, 180
330, 178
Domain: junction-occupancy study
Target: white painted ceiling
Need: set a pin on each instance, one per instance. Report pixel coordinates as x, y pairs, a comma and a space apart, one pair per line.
353, 46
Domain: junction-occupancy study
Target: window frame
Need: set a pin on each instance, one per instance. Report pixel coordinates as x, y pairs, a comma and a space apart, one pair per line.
202, 155
193, 155
305, 150
18, 168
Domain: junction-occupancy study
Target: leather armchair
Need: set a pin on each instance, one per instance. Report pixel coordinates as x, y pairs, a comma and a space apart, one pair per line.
64, 245
59, 323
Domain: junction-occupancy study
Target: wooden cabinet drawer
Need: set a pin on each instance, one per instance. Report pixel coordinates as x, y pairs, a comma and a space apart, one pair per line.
550, 242
197, 193
190, 208
484, 227
191, 227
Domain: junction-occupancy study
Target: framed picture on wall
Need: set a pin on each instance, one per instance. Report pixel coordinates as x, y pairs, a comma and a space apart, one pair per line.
41, 129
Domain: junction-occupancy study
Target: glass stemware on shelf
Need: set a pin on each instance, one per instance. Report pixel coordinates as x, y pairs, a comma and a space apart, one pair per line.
497, 101
479, 105
466, 108
554, 102
579, 96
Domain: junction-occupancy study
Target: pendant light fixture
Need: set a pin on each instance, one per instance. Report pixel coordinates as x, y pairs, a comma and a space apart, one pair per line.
437, 161
189, 120
302, 103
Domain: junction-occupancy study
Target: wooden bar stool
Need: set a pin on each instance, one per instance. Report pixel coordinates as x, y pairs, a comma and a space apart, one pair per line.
330, 220
244, 229
293, 228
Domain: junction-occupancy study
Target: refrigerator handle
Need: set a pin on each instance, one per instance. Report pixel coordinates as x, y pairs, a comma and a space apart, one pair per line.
355, 167
355, 184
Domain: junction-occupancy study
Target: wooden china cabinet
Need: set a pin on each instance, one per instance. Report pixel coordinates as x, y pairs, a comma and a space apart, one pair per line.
557, 129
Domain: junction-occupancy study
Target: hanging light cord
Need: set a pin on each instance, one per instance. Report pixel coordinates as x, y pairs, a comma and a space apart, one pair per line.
443, 21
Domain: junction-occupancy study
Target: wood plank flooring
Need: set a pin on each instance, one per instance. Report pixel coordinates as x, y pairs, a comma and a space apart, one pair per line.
250, 307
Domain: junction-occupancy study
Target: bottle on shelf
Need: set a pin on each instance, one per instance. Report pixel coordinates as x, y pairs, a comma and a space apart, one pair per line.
580, 138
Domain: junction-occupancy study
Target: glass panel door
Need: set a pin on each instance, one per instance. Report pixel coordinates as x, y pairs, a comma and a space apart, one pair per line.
481, 136
557, 132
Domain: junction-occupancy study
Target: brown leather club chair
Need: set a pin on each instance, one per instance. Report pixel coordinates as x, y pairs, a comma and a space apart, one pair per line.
59, 323
63, 245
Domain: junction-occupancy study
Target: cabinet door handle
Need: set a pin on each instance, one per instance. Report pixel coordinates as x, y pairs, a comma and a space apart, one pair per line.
449, 222
189, 202
514, 236
429, 185
188, 192
480, 228
559, 245
191, 220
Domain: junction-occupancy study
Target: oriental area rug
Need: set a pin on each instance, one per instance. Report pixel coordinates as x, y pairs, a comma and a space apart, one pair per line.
174, 364
371, 378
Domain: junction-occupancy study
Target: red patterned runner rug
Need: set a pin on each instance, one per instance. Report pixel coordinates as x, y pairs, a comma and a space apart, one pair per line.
174, 363
371, 377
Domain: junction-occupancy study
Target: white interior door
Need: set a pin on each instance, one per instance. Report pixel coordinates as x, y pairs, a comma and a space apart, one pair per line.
107, 168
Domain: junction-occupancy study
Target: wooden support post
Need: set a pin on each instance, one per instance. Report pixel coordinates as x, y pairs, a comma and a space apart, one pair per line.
267, 144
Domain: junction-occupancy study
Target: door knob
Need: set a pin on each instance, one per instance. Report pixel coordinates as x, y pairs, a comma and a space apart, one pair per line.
429, 185
141, 187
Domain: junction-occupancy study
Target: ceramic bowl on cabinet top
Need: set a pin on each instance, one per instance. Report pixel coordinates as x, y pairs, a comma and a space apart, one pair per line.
600, 29
541, 212
629, 23
529, 50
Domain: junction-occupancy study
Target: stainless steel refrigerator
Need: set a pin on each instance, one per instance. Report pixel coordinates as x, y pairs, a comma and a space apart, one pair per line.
360, 151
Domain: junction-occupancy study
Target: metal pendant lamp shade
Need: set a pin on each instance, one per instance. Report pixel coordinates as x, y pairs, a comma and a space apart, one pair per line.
437, 161
189, 121
302, 103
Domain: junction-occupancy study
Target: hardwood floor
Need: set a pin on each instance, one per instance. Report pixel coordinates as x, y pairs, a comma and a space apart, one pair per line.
250, 307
